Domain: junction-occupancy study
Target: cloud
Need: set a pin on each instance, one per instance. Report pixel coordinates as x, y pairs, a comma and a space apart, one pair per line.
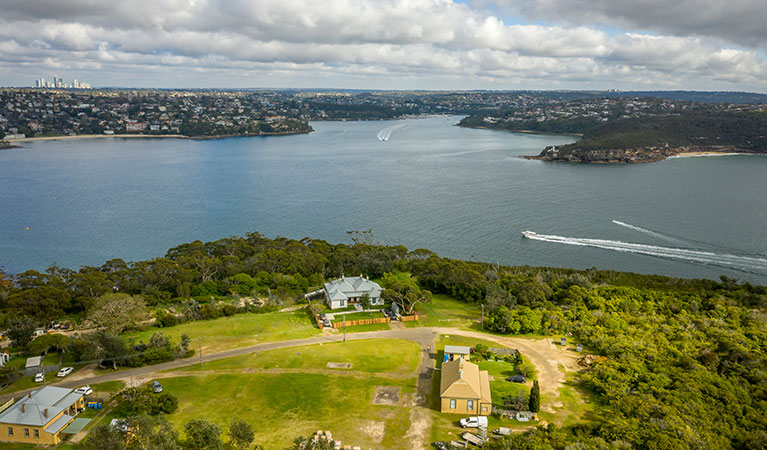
353, 43
737, 21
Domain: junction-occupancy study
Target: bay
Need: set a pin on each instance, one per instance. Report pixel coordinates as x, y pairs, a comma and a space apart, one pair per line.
463, 193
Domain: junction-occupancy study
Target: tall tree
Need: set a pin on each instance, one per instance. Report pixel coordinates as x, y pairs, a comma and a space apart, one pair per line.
202, 435
241, 434
535, 397
21, 330
115, 312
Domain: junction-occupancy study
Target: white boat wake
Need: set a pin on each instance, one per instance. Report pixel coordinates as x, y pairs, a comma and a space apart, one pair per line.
696, 256
385, 134
654, 234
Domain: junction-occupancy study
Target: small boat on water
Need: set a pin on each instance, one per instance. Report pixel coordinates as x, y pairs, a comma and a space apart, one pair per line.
529, 234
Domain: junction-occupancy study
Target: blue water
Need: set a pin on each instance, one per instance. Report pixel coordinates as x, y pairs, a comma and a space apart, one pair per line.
462, 193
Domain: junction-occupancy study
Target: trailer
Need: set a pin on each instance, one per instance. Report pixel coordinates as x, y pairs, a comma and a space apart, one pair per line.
502, 431
473, 439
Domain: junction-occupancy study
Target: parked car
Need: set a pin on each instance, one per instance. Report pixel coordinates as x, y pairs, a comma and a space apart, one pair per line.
85, 390
39, 377
323, 316
65, 371
516, 379
326, 323
473, 422
156, 386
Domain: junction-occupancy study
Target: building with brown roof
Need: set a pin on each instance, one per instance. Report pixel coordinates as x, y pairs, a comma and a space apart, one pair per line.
464, 389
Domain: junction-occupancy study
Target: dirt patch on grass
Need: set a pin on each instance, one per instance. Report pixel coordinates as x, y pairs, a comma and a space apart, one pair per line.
386, 395
373, 428
420, 422
338, 365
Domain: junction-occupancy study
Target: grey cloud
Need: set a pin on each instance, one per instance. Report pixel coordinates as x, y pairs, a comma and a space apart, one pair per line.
742, 22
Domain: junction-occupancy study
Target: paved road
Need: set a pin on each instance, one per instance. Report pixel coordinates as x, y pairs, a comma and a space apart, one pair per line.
424, 336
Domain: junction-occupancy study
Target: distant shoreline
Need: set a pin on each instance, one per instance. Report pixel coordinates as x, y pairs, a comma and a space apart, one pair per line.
148, 136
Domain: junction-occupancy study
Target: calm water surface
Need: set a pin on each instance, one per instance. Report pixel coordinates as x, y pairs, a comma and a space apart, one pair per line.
462, 193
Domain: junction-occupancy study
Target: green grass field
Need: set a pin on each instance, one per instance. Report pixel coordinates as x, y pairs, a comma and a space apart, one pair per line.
283, 405
445, 311
375, 356
239, 330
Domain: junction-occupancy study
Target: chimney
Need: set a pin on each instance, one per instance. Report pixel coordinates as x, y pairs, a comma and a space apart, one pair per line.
23, 407
361, 276
30, 395
367, 278
460, 374
342, 276
45, 413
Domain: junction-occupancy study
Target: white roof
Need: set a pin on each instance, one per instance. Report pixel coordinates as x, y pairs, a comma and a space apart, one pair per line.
457, 349
343, 288
34, 361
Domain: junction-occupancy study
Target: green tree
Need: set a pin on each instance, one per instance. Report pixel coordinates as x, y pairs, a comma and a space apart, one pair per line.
21, 330
46, 342
365, 301
202, 435
535, 397
241, 434
103, 437
115, 312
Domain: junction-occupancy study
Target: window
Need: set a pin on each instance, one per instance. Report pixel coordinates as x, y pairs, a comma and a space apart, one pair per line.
484, 409
37, 433
452, 403
26, 432
343, 303
10, 431
470, 405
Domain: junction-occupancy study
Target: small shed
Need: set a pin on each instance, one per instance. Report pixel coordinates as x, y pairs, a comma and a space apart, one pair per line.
35, 361
457, 351
579, 348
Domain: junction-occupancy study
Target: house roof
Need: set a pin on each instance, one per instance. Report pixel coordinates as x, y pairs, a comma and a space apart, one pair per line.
53, 398
60, 423
457, 349
351, 287
462, 379
34, 361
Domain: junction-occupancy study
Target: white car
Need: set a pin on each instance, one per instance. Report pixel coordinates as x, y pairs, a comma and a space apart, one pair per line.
474, 422
65, 371
39, 377
85, 390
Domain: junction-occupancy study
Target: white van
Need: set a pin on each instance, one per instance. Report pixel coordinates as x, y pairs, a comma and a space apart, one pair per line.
474, 422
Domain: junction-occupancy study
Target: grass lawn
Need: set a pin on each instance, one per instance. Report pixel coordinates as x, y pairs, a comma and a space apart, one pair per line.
375, 355
445, 311
575, 404
239, 330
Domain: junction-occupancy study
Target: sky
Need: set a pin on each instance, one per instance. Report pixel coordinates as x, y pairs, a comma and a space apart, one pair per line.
388, 44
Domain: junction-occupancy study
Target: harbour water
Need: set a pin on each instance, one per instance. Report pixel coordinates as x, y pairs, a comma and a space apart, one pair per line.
463, 193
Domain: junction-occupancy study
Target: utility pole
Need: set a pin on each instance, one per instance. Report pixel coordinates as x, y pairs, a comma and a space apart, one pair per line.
483, 316
344, 327
199, 340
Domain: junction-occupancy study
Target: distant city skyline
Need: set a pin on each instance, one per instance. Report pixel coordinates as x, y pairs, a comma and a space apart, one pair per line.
60, 83
389, 44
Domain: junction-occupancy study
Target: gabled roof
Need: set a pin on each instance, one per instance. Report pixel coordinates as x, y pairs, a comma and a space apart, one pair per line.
352, 287
462, 379
55, 399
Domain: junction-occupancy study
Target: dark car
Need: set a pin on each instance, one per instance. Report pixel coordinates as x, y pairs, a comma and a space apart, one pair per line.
516, 379
322, 316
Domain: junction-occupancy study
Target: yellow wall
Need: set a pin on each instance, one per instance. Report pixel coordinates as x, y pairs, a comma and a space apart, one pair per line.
18, 435
461, 407
45, 438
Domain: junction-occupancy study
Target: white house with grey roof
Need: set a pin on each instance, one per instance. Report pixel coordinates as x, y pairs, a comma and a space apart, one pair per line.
40, 416
344, 291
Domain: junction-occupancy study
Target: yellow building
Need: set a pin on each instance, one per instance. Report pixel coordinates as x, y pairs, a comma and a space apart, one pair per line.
464, 389
40, 416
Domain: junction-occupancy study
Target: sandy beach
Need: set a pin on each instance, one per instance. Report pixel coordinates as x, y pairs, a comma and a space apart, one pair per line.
696, 154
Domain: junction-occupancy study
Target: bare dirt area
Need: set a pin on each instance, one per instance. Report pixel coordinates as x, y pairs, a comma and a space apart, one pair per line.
373, 428
386, 395
544, 354
338, 365
420, 423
